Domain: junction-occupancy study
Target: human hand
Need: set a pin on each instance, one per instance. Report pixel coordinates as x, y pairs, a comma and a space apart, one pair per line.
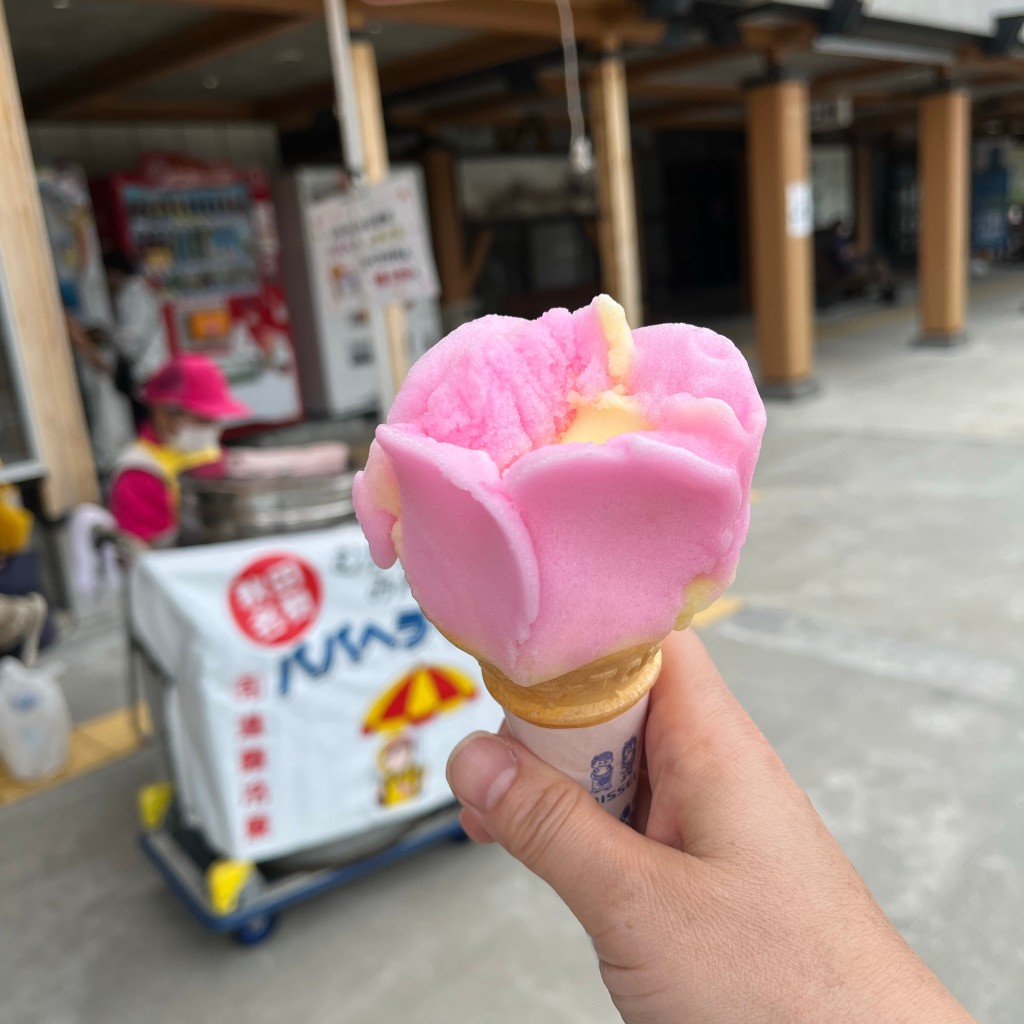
731, 903
84, 345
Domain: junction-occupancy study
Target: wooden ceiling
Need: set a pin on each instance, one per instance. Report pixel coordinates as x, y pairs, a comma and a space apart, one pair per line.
445, 62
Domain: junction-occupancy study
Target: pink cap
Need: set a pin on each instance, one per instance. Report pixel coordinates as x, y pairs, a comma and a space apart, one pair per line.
195, 385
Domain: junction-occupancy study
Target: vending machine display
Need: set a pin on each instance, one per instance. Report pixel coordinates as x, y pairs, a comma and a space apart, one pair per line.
206, 240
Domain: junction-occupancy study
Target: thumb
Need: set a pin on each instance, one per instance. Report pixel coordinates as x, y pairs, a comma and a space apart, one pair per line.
550, 824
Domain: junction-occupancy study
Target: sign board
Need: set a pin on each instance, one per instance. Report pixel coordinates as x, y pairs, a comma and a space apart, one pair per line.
831, 114
310, 701
373, 242
799, 209
334, 234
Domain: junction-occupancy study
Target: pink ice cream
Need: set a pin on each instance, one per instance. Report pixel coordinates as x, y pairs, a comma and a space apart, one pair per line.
563, 488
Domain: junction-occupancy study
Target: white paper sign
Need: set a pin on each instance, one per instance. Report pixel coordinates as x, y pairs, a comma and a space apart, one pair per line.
397, 261
311, 700
334, 231
799, 209
372, 244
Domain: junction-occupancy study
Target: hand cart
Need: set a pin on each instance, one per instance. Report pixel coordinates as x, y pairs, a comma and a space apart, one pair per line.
240, 898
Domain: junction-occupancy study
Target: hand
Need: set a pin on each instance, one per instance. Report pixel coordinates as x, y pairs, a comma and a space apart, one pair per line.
732, 903
85, 345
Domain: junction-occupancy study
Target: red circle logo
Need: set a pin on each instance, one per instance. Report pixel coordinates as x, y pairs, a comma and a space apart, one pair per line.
276, 599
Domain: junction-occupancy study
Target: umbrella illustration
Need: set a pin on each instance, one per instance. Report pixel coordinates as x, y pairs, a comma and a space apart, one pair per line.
423, 693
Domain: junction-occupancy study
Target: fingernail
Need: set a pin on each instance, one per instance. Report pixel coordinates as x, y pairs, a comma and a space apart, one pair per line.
480, 770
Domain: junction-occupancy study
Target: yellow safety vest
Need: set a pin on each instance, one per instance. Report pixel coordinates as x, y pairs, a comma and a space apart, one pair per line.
164, 462
15, 523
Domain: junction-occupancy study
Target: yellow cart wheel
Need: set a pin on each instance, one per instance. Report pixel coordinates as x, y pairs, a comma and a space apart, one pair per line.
225, 881
154, 801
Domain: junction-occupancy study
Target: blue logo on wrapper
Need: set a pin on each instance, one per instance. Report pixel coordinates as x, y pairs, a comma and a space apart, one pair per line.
628, 757
602, 768
602, 771
351, 642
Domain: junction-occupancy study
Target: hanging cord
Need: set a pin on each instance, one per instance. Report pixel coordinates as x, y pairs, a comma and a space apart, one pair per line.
581, 152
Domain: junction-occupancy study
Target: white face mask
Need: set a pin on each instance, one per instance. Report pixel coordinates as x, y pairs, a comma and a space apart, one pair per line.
197, 437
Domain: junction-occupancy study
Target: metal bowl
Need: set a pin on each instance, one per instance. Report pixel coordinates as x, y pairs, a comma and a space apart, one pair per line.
216, 507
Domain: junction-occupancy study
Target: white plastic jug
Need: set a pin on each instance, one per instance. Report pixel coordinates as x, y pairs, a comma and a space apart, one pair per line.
34, 719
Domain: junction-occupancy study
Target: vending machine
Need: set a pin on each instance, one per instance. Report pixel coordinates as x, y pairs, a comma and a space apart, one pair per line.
335, 338
205, 236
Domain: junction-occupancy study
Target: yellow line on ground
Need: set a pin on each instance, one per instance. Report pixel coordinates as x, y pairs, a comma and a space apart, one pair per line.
93, 744
721, 609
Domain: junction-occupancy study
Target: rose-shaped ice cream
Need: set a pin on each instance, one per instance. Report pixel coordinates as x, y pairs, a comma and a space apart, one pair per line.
561, 489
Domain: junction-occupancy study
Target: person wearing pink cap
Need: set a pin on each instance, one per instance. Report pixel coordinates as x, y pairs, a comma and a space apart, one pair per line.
189, 402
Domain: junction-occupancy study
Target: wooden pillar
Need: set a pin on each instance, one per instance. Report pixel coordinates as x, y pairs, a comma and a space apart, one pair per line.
376, 167
616, 197
944, 131
781, 229
36, 312
457, 270
445, 221
865, 198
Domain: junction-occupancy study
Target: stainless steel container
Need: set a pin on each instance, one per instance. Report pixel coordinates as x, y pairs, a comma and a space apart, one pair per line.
216, 507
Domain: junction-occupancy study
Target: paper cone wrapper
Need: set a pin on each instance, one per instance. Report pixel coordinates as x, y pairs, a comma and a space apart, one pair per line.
589, 723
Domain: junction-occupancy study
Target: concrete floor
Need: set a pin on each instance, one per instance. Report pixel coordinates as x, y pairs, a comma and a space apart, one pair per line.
880, 646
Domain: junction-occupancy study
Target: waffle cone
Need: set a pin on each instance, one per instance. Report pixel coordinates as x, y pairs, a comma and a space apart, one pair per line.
595, 693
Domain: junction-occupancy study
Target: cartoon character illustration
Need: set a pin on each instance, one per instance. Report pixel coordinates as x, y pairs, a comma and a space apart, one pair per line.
601, 769
629, 757
401, 774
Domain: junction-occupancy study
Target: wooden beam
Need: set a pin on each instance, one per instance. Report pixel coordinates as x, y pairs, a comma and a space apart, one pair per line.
686, 93
447, 229
478, 253
884, 121
519, 17
487, 50
312, 8
40, 333
465, 111
778, 40
165, 110
616, 196
556, 115
213, 37
997, 106
973, 60
691, 115
293, 109
682, 60
841, 81
419, 71
522, 17
458, 272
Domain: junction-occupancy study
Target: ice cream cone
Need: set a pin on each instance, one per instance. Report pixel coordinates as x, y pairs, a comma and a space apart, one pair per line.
588, 723
586, 696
